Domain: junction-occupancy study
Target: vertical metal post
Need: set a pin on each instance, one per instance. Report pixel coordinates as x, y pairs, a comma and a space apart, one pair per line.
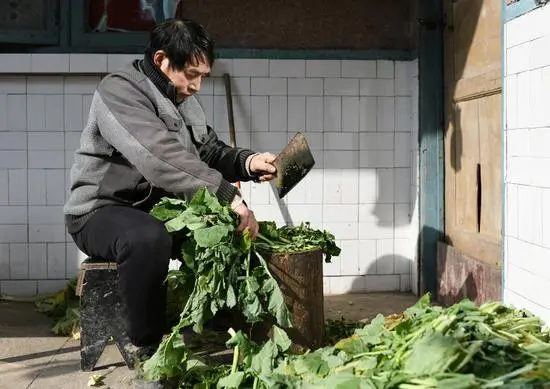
431, 147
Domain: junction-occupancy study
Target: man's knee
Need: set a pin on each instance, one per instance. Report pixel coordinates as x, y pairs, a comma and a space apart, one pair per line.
150, 238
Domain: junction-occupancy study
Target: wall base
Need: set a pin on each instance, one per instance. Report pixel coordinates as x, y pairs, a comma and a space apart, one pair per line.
460, 276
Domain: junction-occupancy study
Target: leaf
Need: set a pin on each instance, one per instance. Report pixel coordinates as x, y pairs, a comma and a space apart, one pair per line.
189, 254
281, 339
210, 236
269, 230
251, 285
366, 365
276, 303
187, 219
423, 303
204, 199
311, 366
96, 380
168, 208
246, 241
334, 360
165, 362
198, 198
246, 348
231, 381
252, 308
342, 381
461, 381
433, 354
231, 299
262, 363
371, 333
364, 338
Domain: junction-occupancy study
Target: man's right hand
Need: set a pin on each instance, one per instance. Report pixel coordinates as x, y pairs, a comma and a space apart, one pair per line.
247, 220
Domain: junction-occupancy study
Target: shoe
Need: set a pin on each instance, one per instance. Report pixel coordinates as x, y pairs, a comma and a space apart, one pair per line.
136, 356
146, 352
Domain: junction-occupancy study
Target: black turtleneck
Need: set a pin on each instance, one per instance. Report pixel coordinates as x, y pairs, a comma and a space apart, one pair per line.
161, 81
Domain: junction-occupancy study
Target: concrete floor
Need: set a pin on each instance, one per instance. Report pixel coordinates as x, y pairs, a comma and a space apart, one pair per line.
31, 358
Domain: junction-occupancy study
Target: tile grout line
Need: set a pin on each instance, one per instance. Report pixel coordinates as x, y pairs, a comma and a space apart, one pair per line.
65, 184
27, 177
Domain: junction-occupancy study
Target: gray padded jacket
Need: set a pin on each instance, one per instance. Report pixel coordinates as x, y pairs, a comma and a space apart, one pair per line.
138, 139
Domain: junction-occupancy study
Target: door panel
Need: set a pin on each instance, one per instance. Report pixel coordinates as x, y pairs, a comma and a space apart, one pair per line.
466, 153
490, 160
473, 183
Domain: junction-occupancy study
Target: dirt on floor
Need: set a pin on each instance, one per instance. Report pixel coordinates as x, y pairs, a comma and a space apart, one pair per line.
365, 307
32, 358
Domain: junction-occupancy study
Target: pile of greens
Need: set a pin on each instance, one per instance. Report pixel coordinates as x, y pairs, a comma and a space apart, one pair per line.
63, 308
222, 270
460, 347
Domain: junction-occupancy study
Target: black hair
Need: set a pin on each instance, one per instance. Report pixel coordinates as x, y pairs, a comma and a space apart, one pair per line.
183, 40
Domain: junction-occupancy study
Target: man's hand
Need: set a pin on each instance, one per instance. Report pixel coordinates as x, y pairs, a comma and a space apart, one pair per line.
247, 220
261, 164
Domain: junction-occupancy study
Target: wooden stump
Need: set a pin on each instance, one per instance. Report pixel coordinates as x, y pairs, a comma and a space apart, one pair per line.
300, 277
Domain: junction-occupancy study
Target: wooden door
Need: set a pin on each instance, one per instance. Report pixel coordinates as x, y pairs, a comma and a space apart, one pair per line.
473, 144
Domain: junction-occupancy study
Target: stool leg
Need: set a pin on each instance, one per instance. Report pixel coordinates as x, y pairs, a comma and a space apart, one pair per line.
125, 347
91, 348
95, 314
102, 315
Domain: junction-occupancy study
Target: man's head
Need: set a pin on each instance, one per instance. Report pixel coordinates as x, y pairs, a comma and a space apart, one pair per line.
184, 52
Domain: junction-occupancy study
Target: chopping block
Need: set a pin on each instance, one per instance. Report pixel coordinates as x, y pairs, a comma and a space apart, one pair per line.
300, 277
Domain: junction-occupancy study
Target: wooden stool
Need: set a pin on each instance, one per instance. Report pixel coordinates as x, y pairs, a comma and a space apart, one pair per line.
102, 314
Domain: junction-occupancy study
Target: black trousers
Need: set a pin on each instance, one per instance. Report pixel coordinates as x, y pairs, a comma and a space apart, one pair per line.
141, 247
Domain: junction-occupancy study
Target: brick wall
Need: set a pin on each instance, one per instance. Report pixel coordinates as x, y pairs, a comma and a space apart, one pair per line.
527, 235
359, 117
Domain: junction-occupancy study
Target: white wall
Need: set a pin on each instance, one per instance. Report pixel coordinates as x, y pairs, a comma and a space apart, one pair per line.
527, 107
359, 117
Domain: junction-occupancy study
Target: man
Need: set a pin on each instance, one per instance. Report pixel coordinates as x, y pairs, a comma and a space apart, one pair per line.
146, 137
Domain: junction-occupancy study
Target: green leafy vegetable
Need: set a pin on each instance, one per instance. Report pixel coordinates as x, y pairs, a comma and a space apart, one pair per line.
96, 380
63, 308
426, 347
220, 270
459, 347
301, 238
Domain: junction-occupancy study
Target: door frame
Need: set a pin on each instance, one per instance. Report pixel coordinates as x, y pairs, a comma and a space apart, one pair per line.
431, 147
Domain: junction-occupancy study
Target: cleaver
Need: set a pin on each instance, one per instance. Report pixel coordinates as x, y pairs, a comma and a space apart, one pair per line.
292, 164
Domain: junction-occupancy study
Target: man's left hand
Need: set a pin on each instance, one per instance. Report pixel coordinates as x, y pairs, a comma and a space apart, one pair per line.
262, 165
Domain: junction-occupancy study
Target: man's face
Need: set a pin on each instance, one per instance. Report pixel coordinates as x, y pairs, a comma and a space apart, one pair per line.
187, 81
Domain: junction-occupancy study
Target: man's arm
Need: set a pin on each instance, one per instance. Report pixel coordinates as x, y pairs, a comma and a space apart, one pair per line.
232, 162
127, 120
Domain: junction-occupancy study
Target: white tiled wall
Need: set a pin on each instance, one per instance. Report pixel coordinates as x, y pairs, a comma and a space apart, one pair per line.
527, 234
360, 119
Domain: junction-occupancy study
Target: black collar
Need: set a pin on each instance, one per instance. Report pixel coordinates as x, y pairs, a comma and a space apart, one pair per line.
163, 83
